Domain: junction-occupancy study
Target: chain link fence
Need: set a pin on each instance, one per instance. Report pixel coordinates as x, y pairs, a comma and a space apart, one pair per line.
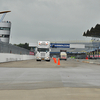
9, 48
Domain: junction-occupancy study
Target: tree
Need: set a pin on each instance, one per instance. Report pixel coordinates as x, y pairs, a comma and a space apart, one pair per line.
26, 45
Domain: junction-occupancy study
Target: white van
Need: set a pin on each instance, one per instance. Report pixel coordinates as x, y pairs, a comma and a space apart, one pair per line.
63, 55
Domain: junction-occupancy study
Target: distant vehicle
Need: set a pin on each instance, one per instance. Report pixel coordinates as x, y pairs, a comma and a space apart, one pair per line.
63, 55
43, 51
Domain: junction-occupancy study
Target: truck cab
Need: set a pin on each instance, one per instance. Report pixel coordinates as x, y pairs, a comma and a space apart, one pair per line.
43, 51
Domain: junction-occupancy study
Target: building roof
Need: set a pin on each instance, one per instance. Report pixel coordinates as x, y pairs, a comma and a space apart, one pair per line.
93, 32
4, 12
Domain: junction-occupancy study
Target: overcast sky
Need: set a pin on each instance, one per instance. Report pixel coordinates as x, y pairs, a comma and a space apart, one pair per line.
53, 20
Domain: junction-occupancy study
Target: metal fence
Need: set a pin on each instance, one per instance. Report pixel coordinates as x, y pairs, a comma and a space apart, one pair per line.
9, 48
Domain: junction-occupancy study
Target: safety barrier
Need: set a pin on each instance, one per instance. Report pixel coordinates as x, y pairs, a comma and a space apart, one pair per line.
7, 57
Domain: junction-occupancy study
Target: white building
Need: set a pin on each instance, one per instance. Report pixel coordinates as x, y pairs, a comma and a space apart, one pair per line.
5, 27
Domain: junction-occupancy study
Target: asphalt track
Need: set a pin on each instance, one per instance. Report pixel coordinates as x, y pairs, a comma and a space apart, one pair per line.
49, 81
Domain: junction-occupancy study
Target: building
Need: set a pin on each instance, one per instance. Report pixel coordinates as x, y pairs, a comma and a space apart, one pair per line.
5, 27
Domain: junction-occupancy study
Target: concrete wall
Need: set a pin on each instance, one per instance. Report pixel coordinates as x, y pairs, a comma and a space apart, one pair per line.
6, 57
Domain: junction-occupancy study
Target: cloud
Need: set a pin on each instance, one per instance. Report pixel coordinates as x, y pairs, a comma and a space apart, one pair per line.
53, 20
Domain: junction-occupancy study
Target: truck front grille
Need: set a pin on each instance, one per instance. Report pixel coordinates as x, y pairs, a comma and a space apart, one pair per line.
42, 54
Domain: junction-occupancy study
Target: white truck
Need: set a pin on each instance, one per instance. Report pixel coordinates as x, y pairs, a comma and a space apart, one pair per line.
43, 51
63, 55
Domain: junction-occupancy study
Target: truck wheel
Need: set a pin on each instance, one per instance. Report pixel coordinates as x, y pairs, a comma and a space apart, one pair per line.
38, 60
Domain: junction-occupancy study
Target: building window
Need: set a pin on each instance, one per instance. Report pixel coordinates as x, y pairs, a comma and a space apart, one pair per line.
4, 36
4, 28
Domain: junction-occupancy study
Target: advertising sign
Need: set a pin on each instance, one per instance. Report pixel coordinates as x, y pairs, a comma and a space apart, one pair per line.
77, 45
59, 45
31, 53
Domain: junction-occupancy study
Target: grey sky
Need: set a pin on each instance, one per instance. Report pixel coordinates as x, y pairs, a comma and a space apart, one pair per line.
54, 20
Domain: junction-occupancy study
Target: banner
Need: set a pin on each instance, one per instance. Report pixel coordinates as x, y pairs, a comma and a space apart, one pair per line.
31, 53
59, 45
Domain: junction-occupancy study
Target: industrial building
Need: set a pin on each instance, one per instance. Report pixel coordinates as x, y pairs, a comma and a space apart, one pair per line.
77, 49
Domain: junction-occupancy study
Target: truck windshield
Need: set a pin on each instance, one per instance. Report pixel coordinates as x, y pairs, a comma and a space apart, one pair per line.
43, 50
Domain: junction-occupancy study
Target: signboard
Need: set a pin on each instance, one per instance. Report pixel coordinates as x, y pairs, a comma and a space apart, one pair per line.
77, 45
31, 53
59, 45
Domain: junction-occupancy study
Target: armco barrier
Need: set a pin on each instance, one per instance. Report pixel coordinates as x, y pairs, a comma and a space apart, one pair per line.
6, 57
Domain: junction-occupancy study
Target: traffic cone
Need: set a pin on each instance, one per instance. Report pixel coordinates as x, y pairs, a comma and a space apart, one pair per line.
86, 58
58, 61
54, 60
